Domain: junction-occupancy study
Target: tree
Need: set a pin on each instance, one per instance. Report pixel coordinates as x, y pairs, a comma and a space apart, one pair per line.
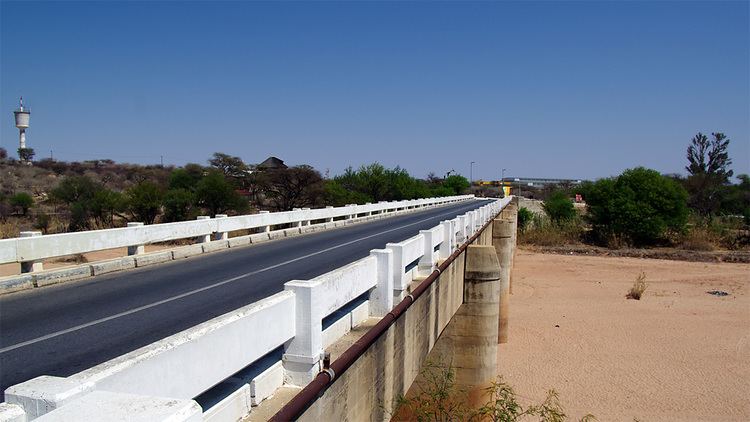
144, 201
336, 195
185, 178
294, 187
26, 154
709, 173
232, 167
104, 205
77, 192
457, 183
3, 154
22, 201
559, 208
178, 205
639, 207
217, 195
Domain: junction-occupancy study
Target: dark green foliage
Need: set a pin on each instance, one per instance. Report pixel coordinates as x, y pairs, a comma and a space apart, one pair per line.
336, 195
105, 205
185, 178
78, 193
736, 201
144, 201
217, 195
178, 205
524, 218
559, 208
457, 183
708, 171
639, 207
22, 201
3, 153
26, 154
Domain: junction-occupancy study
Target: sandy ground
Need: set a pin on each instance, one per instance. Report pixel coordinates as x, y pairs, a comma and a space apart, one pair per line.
678, 354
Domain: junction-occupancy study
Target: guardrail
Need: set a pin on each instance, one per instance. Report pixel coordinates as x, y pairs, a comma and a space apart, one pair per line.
183, 366
32, 247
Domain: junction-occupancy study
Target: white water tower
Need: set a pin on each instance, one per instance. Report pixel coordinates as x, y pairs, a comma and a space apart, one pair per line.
22, 123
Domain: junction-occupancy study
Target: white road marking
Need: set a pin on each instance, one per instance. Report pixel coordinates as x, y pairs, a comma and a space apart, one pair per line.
220, 283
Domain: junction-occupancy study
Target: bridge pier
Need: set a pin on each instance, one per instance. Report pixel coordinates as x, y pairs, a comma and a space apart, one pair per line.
502, 241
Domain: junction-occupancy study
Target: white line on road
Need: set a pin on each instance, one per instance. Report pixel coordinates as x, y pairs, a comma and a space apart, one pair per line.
220, 283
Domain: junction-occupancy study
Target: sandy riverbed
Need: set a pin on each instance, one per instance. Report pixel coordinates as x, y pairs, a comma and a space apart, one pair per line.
678, 354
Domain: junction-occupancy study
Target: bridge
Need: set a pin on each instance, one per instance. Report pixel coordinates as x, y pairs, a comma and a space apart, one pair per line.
209, 330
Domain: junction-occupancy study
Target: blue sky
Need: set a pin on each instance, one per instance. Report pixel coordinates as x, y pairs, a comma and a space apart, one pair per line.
560, 89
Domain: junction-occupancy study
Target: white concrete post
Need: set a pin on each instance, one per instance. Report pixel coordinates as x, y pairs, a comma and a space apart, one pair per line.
136, 249
329, 219
351, 214
427, 261
369, 213
297, 223
31, 266
381, 297
204, 238
449, 239
305, 222
221, 235
301, 357
266, 229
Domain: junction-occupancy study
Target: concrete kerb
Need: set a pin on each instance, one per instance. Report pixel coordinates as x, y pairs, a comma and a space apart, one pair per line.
16, 283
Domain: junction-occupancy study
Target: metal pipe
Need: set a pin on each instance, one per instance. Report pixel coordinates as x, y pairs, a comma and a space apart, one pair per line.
303, 399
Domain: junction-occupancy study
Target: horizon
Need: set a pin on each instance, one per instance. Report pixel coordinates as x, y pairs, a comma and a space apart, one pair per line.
571, 90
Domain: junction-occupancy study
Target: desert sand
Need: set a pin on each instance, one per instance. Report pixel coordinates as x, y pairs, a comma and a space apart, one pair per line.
678, 354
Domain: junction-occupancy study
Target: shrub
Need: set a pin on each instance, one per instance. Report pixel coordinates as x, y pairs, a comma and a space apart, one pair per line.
524, 218
640, 206
217, 195
639, 286
559, 208
22, 201
144, 201
178, 205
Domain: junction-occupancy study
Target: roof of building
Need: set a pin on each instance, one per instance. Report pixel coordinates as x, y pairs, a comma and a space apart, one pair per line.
272, 163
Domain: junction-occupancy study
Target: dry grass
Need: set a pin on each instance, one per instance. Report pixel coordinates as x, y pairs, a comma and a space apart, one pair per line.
639, 286
542, 232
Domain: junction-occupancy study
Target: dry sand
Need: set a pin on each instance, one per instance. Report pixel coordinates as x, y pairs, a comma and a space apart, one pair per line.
678, 354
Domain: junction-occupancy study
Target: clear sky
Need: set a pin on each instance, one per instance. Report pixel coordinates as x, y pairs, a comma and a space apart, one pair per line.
561, 89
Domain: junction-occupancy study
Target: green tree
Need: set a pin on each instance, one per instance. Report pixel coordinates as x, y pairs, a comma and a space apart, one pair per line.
26, 154
22, 201
178, 205
525, 217
77, 192
559, 208
144, 201
185, 178
335, 194
457, 183
639, 207
708, 172
104, 205
233, 168
217, 195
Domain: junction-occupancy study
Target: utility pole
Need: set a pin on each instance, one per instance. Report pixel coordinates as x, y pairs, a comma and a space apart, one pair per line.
471, 172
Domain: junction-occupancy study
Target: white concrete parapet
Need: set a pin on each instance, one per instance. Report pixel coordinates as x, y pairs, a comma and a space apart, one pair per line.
315, 299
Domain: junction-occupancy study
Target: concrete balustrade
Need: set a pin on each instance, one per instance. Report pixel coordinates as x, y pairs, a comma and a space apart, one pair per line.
184, 365
30, 266
36, 248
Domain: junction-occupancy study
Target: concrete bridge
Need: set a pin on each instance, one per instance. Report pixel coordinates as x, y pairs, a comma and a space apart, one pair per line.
212, 336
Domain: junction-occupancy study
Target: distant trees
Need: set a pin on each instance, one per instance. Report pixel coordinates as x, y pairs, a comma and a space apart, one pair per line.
294, 187
3, 154
22, 201
144, 201
26, 154
639, 207
217, 195
559, 208
456, 183
708, 172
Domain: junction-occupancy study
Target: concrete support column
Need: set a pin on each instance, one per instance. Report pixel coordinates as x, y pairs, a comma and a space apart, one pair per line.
305, 222
221, 235
469, 342
352, 214
136, 249
502, 230
298, 223
427, 262
381, 297
369, 213
207, 237
301, 358
31, 266
265, 229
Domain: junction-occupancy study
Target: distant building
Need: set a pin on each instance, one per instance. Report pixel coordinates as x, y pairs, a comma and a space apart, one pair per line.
271, 163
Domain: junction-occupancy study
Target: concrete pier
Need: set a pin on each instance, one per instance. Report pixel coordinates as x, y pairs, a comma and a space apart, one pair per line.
502, 242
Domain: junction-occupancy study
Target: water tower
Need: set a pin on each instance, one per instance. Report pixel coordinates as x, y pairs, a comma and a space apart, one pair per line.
22, 123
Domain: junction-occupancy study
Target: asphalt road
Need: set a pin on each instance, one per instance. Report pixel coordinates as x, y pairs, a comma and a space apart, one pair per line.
63, 329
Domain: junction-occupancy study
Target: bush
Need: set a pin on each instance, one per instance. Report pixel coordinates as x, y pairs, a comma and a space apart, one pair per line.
559, 208
178, 205
524, 218
639, 286
640, 207
144, 202
22, 201
217, 195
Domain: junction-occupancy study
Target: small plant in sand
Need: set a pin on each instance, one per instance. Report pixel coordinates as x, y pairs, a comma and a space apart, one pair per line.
440, 399
639, 286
